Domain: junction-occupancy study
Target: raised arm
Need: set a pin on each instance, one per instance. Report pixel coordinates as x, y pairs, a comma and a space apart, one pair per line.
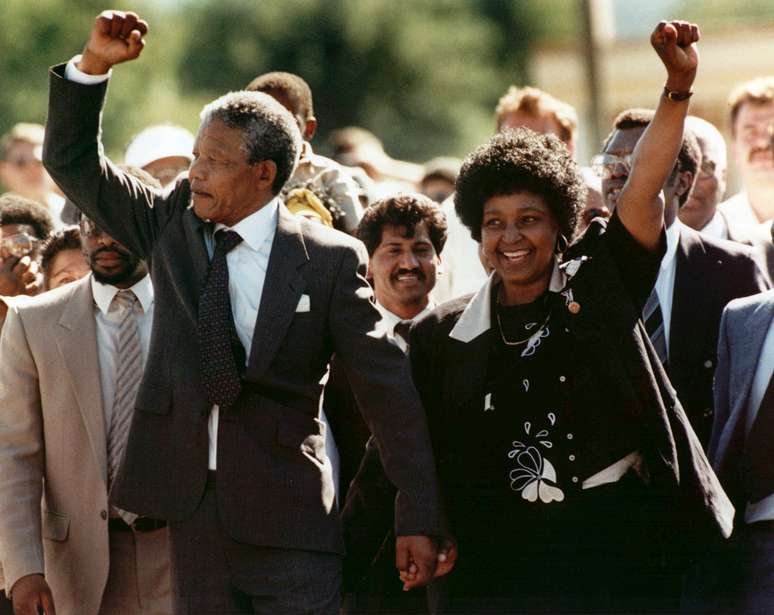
640, 207
128, 210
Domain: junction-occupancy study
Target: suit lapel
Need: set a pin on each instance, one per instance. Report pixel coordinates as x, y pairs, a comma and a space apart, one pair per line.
282, 290
194, 234
747, 349
76, 339
693, 276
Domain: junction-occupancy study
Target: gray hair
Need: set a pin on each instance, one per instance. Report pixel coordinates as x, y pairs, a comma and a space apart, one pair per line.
711, 141
269, 131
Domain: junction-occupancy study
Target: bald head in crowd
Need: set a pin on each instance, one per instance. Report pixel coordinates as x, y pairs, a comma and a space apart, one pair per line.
701, 207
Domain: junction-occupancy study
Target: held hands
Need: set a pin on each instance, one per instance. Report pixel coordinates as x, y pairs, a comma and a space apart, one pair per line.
32, 595
116, 37
419, 559
675, 43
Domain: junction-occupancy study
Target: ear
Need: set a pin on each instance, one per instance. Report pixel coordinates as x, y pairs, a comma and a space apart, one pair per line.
310, 128
684, 183
265, 172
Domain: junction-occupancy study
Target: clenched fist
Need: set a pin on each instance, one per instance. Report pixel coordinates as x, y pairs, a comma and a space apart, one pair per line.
116, 37
675, 43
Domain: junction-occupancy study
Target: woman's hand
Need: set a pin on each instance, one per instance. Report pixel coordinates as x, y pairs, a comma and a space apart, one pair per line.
675, 43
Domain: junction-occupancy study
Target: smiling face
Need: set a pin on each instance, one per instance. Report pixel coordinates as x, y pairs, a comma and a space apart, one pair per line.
518, 237
753, 132
224, 187
404, 269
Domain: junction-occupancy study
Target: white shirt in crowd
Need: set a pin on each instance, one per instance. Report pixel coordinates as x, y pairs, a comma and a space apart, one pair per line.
716, 227
390, 320
738, 210
108, 320
665, 283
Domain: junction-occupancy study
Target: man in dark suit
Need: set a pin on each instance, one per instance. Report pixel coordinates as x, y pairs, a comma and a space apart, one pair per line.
698, 276
251, 303
740, 448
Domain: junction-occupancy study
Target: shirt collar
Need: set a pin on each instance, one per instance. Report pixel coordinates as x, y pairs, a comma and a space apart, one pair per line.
104, 293
391, 319
476, 318
716, 227
673, 238
258, 226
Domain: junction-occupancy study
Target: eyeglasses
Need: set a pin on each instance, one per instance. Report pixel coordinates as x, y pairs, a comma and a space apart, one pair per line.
89, 228
708, 168
604, 164
19, 244
22, 162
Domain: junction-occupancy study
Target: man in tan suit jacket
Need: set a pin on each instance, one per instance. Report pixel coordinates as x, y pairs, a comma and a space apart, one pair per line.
60, 371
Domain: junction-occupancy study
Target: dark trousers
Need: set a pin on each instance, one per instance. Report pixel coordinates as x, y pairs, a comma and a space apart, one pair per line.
756, 583
5, 604
212, 574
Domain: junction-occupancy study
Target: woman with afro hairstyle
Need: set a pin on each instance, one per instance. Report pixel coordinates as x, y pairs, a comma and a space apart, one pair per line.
572, 480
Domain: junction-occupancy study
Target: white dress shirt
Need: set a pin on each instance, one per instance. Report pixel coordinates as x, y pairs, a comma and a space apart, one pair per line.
763, 510
739, 211
108, 320
665, 283
390, 320
716, 228
247, 264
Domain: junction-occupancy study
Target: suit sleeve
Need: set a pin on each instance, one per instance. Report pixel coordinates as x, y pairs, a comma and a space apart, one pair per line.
21, 455
721, 389
381, 382
128, 210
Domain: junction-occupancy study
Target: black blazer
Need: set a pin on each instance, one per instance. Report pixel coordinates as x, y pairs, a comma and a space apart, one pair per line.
274, 481
709, 273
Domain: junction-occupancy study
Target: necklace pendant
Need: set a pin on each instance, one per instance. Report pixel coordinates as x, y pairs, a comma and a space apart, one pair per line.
574, 307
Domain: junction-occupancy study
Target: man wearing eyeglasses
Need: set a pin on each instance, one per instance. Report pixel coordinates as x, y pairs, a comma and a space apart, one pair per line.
698, 274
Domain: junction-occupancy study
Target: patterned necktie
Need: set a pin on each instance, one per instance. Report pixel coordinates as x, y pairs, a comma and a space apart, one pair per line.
758, 451
128, 374
220, 352
654, 325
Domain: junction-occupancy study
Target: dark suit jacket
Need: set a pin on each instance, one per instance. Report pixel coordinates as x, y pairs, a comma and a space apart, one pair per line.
709, 273
274, 481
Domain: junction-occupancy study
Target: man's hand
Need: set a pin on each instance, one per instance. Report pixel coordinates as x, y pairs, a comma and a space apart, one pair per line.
447, 557
31, 595
19, 276
415, 558
116, 37
675, 43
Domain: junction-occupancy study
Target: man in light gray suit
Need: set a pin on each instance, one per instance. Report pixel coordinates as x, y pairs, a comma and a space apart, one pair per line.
740, 447
251, 303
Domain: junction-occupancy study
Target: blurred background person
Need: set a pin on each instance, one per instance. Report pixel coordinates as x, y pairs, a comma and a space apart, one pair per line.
354, 146
752, 134
330, 183
437, 183
21, 169
697, 276
163, 151
23, 225
61, 258
701, 212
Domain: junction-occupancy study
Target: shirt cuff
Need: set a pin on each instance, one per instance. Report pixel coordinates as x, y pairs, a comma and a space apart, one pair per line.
73, 74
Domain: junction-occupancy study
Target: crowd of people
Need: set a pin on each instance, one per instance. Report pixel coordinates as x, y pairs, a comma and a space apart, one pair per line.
237, 376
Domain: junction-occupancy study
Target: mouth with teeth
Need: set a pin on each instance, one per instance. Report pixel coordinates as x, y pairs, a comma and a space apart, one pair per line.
514, 256
408, 277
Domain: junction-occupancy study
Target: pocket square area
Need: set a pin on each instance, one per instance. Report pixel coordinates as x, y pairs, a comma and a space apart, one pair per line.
304, 304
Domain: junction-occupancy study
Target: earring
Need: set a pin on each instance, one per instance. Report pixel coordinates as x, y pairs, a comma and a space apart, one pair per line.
561, 244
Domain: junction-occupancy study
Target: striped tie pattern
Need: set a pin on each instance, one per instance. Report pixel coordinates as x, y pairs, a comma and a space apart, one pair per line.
654, 324
128, 375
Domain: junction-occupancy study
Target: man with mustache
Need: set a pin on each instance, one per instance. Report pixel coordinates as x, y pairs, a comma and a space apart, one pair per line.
698, 276
752, 131
70, 364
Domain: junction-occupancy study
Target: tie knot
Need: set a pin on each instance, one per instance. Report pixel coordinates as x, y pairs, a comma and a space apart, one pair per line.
225, 241
402, 330
125, 299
